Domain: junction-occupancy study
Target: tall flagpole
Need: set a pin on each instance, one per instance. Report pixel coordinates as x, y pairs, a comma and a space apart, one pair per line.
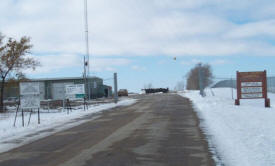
86, 57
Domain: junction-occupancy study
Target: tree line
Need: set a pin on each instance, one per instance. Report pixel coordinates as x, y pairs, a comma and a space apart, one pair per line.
193, 78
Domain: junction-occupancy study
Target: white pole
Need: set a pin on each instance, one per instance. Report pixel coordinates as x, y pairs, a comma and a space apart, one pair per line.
87, 73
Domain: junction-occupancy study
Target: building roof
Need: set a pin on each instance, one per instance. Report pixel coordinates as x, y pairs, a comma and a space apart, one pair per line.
64, 78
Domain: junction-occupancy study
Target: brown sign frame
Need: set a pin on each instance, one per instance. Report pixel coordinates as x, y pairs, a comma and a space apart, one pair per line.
249, 80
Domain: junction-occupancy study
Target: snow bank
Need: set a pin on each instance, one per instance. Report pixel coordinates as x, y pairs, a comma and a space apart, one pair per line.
242, 135
11, 137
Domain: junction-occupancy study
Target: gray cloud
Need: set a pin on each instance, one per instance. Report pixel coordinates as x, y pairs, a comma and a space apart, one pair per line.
142, 28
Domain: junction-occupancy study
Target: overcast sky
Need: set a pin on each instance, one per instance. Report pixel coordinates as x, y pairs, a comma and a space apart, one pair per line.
138, 39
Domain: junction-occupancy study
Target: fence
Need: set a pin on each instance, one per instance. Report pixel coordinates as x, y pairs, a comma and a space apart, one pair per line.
271, 84
231, 83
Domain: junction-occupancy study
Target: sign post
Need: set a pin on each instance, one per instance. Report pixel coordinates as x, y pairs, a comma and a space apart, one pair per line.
252, 85
29, 99
75, 91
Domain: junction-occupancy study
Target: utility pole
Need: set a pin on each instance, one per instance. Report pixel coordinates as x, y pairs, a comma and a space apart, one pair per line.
115, 87
86, 57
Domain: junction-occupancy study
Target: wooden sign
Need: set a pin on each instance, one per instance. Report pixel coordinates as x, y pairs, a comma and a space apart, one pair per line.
252, 85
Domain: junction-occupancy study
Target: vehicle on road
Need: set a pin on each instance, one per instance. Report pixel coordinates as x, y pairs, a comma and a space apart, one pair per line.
123, 92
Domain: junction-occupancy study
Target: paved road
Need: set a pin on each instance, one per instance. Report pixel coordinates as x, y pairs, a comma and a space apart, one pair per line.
159, 130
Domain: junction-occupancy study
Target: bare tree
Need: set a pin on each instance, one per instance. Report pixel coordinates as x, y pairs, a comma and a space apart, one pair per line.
13, 60
193, 77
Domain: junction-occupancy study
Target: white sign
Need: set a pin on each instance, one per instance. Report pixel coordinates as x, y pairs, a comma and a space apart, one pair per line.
252, 90
29, 88
29, 95
30, 101
251, 83
252, 95
75, 89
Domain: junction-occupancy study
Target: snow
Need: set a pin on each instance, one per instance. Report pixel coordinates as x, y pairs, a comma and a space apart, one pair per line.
241, 135
12, 137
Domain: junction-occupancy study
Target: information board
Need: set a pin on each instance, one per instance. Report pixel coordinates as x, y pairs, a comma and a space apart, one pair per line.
252, 85
75, 91
30, 101
29, 95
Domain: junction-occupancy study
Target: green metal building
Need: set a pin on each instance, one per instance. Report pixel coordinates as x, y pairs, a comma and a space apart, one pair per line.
54, 88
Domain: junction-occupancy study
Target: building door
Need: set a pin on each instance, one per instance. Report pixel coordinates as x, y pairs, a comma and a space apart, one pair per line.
106, 92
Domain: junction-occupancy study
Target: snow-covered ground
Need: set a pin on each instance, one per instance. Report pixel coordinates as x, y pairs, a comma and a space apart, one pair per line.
12, 137
242, 135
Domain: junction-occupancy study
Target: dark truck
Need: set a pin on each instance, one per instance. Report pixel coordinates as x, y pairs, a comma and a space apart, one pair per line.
156, 90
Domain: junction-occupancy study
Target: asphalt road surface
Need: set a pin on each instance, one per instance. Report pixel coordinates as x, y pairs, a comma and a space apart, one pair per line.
159, 130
